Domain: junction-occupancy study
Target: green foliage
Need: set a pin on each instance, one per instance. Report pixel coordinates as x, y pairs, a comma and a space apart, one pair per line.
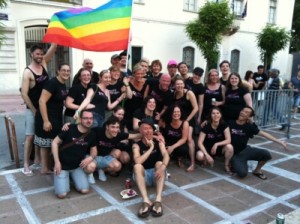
295, 41
206, 31
271, 40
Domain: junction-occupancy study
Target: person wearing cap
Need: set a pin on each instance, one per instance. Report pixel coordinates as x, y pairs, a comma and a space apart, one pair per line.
194, 83
172, 69
151, 160
123, 64
115, 59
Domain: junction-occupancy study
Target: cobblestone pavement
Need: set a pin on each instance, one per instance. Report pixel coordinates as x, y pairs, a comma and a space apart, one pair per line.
208, 195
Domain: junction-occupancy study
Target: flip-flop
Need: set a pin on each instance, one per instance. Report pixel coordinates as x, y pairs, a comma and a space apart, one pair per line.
157, 206
144, 210
260, 175
28, 173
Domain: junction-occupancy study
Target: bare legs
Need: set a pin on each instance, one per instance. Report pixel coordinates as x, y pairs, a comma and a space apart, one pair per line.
191, 144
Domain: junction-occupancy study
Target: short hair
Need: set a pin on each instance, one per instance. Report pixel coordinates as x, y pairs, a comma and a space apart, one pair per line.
224, 62
114, 68
112, 120
85, 110
117, 108
137, 67
182, 63
260, 66
156, 62
35, 47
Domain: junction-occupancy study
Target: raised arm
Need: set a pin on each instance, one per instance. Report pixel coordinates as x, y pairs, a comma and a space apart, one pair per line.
48, 56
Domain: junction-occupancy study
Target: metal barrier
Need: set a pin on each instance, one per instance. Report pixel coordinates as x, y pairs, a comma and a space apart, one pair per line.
273, 107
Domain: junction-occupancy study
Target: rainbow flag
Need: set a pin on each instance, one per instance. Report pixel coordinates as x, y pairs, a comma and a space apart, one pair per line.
105, 28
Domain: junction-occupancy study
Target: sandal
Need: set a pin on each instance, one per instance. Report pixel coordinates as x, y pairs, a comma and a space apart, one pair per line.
228, 170
144, 210
191, 168
157, 210
260, 175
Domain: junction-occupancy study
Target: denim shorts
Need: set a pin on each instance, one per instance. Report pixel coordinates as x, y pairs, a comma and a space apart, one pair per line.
98, 120
29, 122
103, 161
297, 100
150, 179
62, 181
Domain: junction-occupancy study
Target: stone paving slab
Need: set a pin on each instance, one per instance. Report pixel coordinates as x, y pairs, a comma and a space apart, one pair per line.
206, 196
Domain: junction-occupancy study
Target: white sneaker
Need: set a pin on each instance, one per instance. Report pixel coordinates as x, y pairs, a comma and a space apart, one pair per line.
102, 175
35, 166
91, 178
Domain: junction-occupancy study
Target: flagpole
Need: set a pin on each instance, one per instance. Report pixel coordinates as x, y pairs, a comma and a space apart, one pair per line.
129, 42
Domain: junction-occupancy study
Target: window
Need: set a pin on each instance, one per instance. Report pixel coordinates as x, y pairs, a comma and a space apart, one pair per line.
272, 11
188, 56
237, 7
190, 5
34, 35
235, 61
136, 53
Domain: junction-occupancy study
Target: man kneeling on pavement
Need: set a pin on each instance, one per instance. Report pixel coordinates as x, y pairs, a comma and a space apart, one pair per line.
241, 130
151, 159
69, 151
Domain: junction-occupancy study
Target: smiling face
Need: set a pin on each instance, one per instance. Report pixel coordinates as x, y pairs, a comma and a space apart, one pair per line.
37, 56
165, 82
156, 68
112, 130
151, 104
213, 77
179, 85
176, 115
225, 69
105, 78
115, 74
146, 131
139, 75
183, 69
119, 114
88, 64
215, 115
64, 72
85, 77
234, 80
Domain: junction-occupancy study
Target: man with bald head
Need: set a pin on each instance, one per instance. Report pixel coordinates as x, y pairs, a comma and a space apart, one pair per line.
88, 65
160, 90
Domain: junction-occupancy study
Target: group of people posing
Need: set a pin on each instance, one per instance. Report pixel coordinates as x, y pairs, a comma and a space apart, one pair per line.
141, 118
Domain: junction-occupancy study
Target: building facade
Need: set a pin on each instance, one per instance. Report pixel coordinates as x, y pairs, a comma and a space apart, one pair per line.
158, 32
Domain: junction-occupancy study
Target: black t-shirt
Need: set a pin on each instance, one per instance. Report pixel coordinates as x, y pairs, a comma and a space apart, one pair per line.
184, 103
71, 157
106, 145
78, 93
155, 155
171, 134
260, 78
59, 93
115, 91
213, 135
208, 95
197, 88
100, 100
234, 102
162, 98
240, 135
